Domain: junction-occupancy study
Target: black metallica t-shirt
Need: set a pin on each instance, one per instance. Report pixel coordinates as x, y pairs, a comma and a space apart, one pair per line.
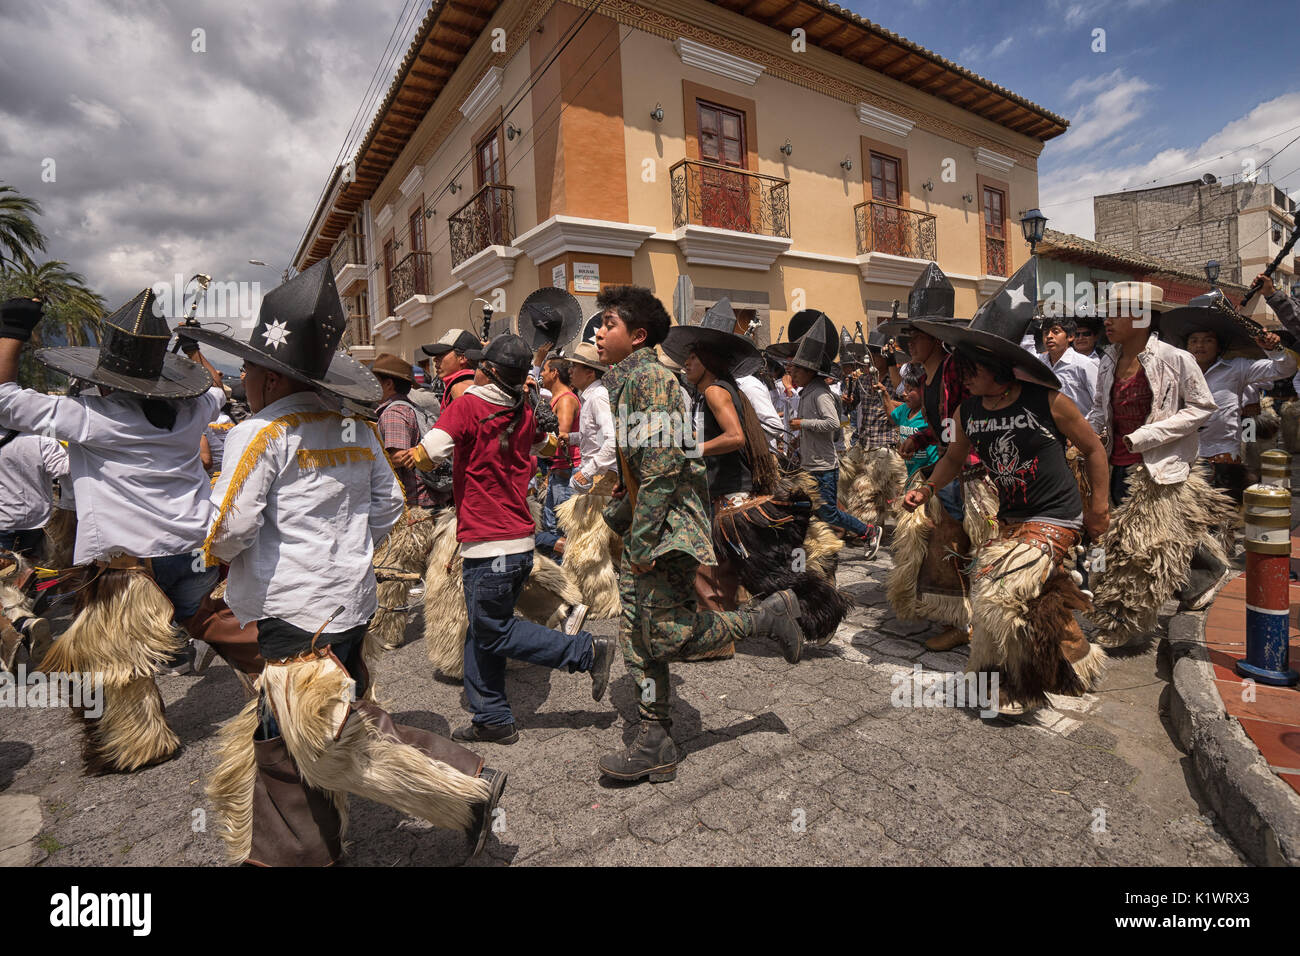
1025, 455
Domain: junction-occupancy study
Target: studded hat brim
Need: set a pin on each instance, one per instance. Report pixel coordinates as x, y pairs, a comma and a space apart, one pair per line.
1177, 324
180, 377
346, 377
995, 346
682, 339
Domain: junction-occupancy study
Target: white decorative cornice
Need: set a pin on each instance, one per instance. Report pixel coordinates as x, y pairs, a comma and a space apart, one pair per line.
388, 328
484, 271
707, 246
362, 353
412, 181
415, 309
995, 161
884, 269
715, 61
347, 279
483, 94
883, 120
384, 218
987, 285
561, 234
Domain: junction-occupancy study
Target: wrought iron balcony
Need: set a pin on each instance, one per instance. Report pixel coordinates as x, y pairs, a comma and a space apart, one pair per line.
884, 227
488, 219
707, 194
995, 256
349, 249
411, 276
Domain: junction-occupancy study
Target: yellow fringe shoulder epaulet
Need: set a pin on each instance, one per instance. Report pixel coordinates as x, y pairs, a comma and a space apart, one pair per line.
248, 460
221, 426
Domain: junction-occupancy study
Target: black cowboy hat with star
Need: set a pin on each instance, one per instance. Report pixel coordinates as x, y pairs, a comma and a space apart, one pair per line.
298, 329
932, 299
999, 325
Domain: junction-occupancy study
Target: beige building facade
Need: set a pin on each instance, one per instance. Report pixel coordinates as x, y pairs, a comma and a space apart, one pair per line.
785, 166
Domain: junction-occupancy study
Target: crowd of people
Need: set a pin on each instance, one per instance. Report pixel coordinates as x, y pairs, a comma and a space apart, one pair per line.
1037, 475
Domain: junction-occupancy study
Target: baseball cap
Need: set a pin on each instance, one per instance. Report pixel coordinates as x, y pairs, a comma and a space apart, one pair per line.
505, 351
453, 340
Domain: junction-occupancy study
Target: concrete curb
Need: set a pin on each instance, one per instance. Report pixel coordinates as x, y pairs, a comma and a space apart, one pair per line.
1260, 811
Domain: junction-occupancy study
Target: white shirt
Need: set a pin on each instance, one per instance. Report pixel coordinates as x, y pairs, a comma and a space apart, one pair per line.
29, 464
300, 531
759, 397
216, 433
1228, 380
140, 490
1078, 377
596, 436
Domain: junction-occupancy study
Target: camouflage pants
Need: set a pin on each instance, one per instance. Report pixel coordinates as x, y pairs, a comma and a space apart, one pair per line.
661, 623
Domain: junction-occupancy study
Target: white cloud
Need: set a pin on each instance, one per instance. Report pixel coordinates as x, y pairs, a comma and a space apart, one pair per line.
1071, 175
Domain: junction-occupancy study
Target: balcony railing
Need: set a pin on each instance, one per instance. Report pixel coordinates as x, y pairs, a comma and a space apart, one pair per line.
349, 249
488, 219
360, 329
995, 256
884, 227
707, 194
413, 275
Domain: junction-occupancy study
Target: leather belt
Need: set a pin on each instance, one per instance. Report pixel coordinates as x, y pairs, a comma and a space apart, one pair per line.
1052, 540
1227, 458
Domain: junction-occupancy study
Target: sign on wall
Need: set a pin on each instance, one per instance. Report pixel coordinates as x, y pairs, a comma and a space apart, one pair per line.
586, 277
558, 277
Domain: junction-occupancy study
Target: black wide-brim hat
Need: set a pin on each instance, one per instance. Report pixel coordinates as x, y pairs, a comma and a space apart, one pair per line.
180, 378
739, 350
800, 323
974, 342
346, 377
900, 326
1176, 325
132, 355
550, 315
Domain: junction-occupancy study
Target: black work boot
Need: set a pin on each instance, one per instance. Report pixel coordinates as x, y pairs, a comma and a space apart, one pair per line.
602, 656
486, 733
777, 617
653, 754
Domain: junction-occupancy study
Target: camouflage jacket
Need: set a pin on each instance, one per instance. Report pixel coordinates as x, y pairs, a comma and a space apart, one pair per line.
659, 459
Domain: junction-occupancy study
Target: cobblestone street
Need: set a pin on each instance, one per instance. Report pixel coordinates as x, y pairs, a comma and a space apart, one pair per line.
785, 765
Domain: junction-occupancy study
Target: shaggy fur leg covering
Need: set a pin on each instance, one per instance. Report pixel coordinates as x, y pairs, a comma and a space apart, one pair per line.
548, 595
230, 788
340, 749
979, 510
1148, 551
909, 545
406, 549
1018, 625
589, 553
870, 482
123, 634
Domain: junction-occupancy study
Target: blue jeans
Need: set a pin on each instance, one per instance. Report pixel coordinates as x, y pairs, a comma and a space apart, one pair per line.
828, 487
184, 586
950, 498
557, 493
492, 587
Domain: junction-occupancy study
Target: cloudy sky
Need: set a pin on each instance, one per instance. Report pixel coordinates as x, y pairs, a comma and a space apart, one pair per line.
168, 160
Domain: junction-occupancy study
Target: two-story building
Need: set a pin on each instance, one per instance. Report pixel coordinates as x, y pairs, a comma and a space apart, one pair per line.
783, 153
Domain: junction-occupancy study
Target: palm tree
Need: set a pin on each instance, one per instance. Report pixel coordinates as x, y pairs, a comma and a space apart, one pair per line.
19, 236
72, 312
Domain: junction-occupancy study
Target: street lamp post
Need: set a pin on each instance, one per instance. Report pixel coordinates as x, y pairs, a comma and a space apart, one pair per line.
1212, 273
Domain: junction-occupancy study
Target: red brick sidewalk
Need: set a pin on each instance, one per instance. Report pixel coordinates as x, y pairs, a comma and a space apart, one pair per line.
1272, 719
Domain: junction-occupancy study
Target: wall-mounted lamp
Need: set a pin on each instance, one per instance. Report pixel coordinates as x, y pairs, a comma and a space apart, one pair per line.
428, 213
454, 187
787, 148
397, 244
1032, 225
968, 197
1212, 271
846, 164
928, 185
657, 114
512, 131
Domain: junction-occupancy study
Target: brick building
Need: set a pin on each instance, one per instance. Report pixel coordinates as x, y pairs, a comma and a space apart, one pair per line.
1242, 225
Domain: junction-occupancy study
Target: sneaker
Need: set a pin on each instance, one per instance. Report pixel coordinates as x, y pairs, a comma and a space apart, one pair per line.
573, 623
486, 733
871, 540
180, 665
